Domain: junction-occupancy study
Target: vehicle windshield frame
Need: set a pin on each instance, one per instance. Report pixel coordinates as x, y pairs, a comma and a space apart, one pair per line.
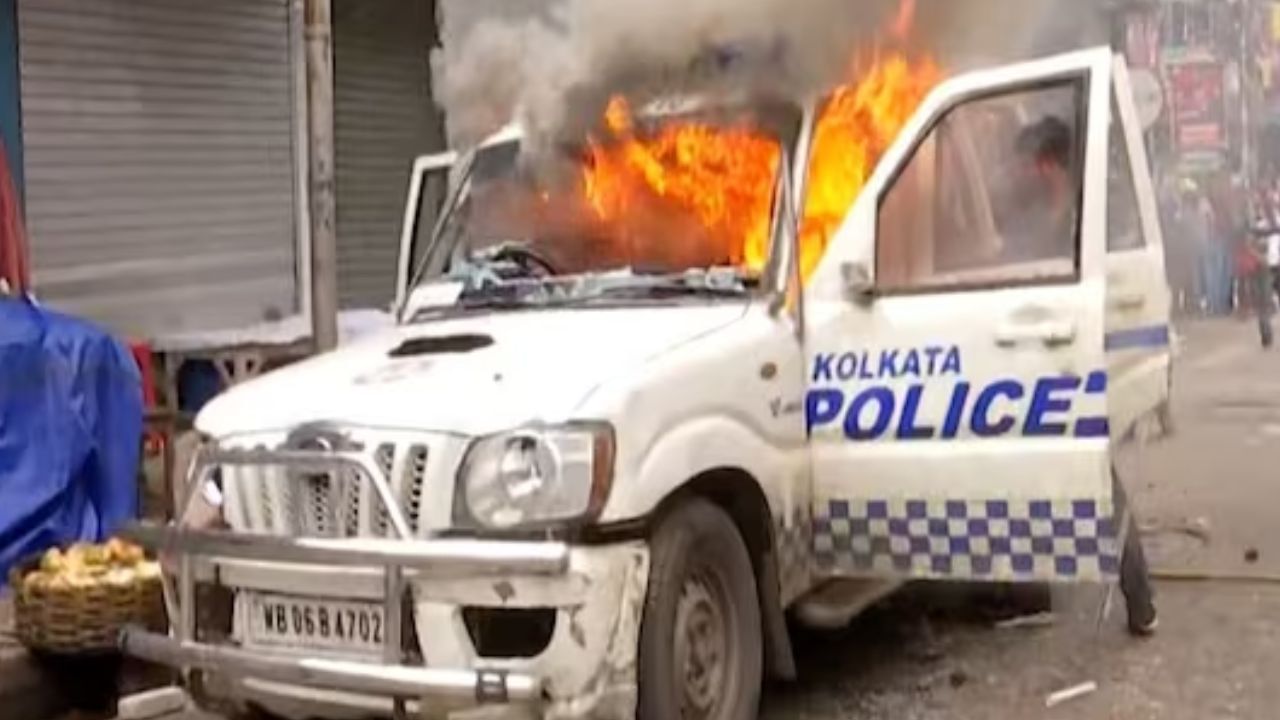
439, 248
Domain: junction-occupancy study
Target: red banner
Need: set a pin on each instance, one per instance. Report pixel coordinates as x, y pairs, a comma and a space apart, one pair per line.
14, 266
1199, 116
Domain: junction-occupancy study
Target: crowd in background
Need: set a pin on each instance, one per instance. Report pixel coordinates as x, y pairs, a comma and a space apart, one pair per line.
1258, 268
1222, 247
1222, 250
1198, 227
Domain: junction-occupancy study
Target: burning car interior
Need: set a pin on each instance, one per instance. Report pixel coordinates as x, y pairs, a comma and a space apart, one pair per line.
678, 189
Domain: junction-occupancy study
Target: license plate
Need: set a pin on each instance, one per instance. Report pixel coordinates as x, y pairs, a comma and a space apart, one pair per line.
312, 623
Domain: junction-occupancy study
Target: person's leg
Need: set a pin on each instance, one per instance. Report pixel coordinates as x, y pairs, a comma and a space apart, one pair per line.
1135, 578
1204, 275
1262, 284
1218, 283
1210, 281
1224, 278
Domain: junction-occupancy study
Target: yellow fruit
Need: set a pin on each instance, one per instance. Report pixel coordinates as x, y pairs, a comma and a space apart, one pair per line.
35, 580
52, 561
76, 554
132, 554
59, 582
120, 577
97, 555
115, 550
80, 582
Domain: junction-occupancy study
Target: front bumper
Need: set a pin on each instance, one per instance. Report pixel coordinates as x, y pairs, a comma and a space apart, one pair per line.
587, 668
455, 687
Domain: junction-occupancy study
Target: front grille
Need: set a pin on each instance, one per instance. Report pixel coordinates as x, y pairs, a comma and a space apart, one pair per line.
278, 500
417, 470
385, 458
327, 504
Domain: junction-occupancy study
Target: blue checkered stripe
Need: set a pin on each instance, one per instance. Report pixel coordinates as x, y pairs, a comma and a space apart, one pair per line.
794, 543
970, 540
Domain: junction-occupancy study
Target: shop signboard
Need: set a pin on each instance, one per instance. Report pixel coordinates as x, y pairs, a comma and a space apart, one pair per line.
1197, 106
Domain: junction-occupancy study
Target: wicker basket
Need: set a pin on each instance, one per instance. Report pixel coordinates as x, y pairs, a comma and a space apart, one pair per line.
83, 619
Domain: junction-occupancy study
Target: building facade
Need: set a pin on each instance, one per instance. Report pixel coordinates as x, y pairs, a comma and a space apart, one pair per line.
163, 153
1206, 60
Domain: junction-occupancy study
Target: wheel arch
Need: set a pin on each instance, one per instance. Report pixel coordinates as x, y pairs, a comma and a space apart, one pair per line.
741, 497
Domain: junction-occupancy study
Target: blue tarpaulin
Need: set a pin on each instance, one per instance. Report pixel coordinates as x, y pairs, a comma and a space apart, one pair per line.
70, 431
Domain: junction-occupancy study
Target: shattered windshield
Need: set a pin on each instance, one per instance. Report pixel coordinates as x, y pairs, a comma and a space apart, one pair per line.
645, 206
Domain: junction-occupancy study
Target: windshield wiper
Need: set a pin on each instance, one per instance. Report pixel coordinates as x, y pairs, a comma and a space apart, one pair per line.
525, 295
724, 283
720, 283
671, 289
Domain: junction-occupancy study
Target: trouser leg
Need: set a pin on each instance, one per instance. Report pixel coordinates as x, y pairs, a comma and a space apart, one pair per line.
1262, 290
1135, 577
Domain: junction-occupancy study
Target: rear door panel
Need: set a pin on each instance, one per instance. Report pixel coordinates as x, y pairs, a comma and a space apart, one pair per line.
1138, 298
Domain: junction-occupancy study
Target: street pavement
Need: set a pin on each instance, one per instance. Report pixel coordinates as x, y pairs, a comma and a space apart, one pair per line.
1207, 501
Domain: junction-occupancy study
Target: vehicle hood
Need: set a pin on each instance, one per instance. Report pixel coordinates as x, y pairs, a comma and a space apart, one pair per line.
469, 375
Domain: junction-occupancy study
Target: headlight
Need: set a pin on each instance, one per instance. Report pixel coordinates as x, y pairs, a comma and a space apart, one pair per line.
535, 477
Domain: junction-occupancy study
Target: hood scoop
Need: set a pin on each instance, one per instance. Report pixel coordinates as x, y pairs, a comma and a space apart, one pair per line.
445, 345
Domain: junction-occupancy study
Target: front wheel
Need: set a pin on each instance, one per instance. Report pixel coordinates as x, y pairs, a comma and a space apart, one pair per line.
700, 639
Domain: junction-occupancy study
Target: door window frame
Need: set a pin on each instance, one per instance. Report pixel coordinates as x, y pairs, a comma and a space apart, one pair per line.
1118, 150
409, 235
1081, 79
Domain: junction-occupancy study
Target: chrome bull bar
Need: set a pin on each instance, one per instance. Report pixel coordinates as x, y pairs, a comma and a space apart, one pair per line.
312, 461
401, 559
456, 687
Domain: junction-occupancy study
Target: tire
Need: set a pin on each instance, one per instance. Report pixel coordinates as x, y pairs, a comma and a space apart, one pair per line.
1135, 578
700, 637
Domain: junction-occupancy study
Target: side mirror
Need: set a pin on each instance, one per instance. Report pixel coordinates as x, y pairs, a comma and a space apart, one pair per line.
858, 285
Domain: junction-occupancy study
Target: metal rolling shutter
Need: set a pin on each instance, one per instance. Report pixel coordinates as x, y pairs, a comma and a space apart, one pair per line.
159, 139
384, 117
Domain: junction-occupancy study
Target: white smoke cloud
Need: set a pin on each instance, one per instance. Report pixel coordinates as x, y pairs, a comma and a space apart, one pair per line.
548, 66
972, 33
554, 66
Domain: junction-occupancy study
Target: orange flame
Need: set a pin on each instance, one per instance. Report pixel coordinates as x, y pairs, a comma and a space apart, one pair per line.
724, 177
855, 128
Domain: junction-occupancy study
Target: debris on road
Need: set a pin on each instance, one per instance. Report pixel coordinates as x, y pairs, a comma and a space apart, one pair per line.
1174, 575
1070, 693
1198, 528
152, 704
1037, 620
1251, 555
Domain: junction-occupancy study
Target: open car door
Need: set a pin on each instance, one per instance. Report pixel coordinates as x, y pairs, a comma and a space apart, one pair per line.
428, 192
1138, 297
957, 399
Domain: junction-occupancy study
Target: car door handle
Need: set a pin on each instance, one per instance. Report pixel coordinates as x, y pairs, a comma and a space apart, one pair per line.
1049, 332
1128, 300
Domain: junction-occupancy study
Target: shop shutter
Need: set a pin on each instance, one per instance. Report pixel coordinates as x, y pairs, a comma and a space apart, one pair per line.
384, 118
160, 161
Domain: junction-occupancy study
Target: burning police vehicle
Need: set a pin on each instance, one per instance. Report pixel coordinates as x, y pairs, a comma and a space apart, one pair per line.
651, 391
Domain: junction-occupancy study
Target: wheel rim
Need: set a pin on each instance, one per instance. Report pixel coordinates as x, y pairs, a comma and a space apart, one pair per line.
701, 646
